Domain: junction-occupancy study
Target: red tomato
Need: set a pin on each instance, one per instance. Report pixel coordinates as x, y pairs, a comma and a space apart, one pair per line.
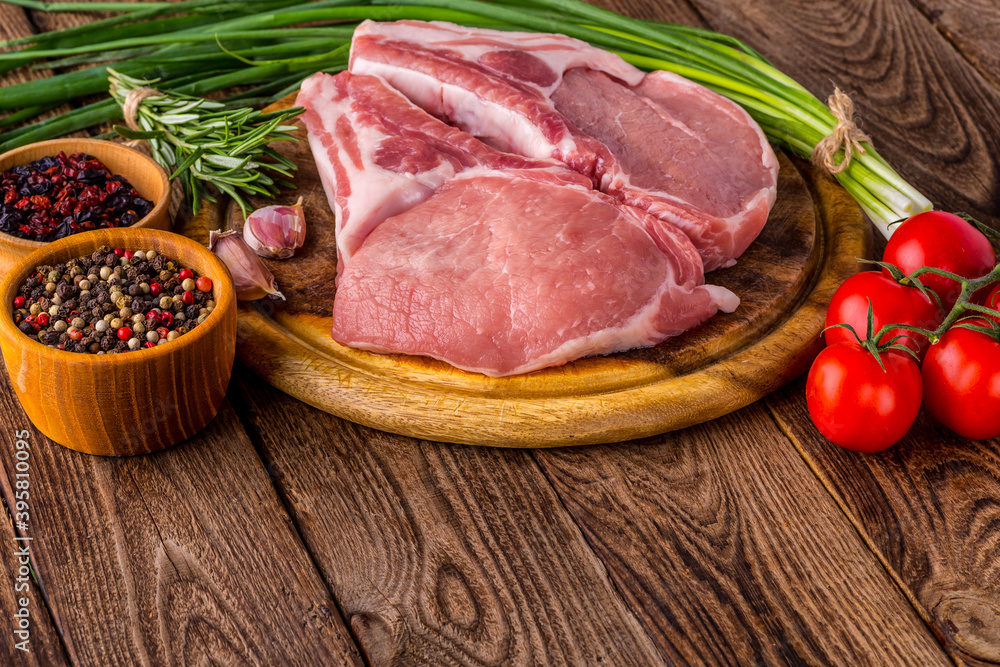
993, 301
892, 303
856, 404
944, 241
962, 382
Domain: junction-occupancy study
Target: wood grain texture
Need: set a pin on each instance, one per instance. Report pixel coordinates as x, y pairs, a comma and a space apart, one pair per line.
439, 554
927, 506
972, 26
785, 280
142, 172
931, 507
132, 403
184, 557
43, 647
45, 644
930, 113
731, 553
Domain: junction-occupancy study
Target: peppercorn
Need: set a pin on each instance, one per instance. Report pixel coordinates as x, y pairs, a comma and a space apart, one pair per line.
66, 291
111, 309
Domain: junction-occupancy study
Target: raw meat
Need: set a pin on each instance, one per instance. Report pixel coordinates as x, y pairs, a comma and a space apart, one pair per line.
493, 263
656, 141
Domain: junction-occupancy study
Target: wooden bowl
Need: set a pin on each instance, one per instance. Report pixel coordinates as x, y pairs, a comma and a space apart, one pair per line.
146, 176
131, 403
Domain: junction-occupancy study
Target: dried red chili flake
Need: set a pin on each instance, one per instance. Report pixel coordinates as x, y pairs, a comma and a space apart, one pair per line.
57, 196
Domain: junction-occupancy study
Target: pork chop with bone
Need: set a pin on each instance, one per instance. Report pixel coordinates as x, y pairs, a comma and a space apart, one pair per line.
657, 141
491, 262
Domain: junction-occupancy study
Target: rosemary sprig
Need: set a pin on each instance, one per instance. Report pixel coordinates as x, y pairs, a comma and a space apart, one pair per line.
208, 145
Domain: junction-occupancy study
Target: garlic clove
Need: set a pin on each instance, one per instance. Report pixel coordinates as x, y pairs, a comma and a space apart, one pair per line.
276, 232
251, 279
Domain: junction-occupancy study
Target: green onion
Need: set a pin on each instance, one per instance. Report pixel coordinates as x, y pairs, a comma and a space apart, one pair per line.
239, 41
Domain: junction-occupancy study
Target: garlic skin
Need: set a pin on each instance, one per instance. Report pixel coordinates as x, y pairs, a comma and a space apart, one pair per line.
251, 279
276, 232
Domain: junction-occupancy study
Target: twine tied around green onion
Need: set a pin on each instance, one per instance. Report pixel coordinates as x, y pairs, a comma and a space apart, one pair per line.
846, 136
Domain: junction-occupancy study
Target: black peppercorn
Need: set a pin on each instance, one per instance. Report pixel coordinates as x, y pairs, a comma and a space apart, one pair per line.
65, 291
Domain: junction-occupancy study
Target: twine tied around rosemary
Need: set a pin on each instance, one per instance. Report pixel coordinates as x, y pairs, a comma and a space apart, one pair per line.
130, 109
846, 135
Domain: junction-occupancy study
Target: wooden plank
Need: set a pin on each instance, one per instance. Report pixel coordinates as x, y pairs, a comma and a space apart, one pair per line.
174, 557
731, 553
20, 594
930, 506
973, 26
44, 646
926, 505
441, 554
931, 114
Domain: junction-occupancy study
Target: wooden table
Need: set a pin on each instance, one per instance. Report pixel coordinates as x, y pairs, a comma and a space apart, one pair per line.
284, 535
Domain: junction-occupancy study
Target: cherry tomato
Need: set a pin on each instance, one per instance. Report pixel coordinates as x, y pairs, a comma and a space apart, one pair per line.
962, 382
993, 301
857, 405
944, 241
892, 303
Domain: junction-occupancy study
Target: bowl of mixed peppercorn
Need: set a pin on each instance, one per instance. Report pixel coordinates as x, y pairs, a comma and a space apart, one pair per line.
119, 341
53, 189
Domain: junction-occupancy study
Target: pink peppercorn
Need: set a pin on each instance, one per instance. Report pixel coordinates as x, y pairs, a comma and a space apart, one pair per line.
124, 333
19, 302
188, 298
204, 284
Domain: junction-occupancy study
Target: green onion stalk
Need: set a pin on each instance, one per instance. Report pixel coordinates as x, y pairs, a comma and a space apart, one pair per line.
175, 42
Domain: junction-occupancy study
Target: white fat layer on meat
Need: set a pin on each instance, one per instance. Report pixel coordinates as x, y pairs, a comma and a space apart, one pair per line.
559, 52
496, 124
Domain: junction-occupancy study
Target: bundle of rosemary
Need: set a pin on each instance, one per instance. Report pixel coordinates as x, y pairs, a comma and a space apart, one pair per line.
197, 46
202, 142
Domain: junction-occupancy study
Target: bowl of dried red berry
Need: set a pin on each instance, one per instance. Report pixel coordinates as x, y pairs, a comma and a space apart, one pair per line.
53, 189
119, 341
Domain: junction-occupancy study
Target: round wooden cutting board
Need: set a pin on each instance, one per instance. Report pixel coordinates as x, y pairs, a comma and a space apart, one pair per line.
785, 281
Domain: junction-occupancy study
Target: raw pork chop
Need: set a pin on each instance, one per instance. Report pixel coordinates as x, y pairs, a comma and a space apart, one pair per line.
495, 264
656, 141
